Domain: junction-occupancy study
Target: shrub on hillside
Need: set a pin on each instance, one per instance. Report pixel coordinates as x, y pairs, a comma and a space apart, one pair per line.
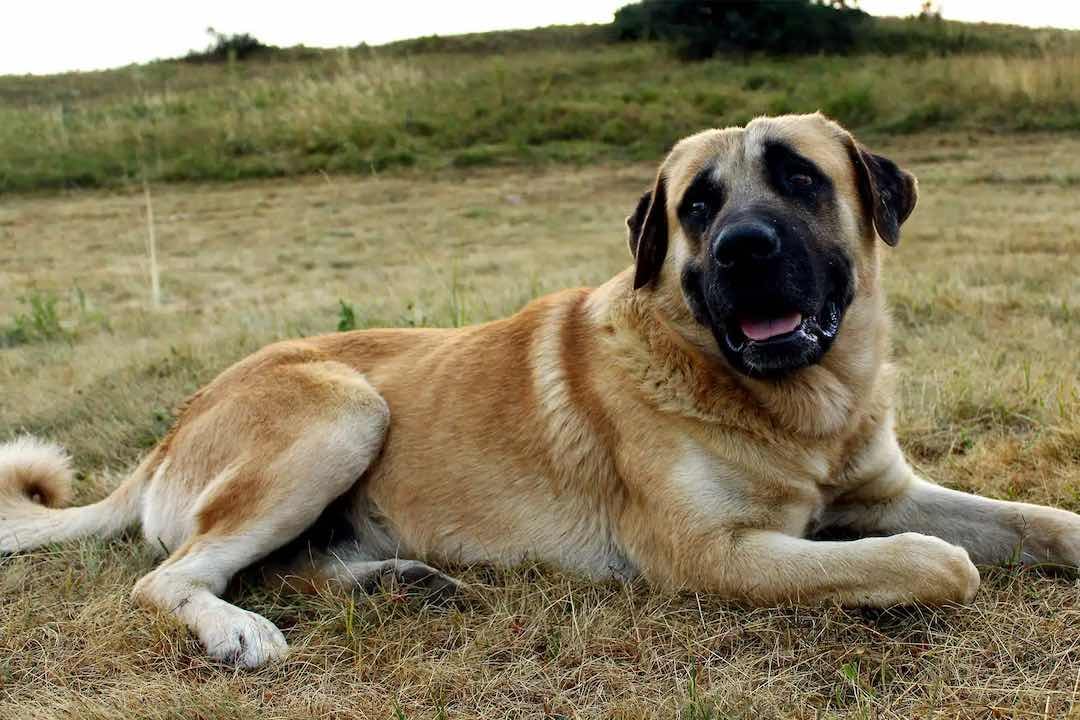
701, 28
227, 48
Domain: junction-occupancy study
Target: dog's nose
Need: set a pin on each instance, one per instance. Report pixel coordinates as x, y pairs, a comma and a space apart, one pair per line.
746, 242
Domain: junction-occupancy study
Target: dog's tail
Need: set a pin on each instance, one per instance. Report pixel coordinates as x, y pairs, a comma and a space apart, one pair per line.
35, 481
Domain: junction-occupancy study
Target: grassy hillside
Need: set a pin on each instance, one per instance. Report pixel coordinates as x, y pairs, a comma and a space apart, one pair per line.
550, 95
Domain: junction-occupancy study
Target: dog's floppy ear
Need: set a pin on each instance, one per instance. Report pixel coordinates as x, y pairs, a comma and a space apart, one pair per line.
648, 234
888, 193
636, 220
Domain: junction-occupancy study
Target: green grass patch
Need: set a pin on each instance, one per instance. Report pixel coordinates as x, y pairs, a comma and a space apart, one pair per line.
40, 322
518, 98
47, 317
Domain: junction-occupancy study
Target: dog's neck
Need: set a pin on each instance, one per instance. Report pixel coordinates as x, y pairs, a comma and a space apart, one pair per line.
676, 374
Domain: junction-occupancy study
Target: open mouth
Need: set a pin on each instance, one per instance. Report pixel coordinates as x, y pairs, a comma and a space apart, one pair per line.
776, 322
747, 332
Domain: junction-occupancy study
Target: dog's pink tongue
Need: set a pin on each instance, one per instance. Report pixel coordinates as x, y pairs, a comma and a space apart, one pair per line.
765, 329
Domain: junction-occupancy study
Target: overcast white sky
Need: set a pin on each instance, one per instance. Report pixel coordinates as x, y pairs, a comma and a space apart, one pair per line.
46, 36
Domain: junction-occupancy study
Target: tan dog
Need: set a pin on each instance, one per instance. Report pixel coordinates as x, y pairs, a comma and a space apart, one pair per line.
698, 419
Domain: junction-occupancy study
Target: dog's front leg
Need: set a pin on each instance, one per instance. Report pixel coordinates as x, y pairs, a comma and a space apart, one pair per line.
705, 548
887, 497
765, 567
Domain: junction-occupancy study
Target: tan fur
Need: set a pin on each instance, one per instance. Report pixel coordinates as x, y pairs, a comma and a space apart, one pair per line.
596, 429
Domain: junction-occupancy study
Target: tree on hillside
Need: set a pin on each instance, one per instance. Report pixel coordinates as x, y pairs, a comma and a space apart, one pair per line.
701, 28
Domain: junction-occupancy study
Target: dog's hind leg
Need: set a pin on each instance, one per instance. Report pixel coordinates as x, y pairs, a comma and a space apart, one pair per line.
341, 569
302, 435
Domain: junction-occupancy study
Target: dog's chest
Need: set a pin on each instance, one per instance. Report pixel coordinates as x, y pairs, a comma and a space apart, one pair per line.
754, 485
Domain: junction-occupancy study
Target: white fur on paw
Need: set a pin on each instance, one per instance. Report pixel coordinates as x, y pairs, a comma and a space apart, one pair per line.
241, 638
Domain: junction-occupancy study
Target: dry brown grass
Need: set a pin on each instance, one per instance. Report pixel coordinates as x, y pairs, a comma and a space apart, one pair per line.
986, 292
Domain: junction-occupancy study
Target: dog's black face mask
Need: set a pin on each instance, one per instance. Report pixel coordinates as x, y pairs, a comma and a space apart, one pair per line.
768, 277
767, 285
772, 303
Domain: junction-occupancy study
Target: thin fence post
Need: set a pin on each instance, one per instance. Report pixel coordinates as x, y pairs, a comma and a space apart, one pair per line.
151, 248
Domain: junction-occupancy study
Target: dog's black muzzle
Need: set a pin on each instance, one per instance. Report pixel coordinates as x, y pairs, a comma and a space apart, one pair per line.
773, 298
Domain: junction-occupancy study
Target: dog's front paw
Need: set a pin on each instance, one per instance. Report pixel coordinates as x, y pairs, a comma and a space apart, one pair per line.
941, 572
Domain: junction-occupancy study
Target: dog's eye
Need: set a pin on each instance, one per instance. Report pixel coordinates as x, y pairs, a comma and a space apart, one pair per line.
698, 208
800, 180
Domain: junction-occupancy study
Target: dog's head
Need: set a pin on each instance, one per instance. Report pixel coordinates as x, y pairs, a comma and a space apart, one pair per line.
759, 239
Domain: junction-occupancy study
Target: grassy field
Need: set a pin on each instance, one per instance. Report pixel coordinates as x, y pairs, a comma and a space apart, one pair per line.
549, 96
986, 295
